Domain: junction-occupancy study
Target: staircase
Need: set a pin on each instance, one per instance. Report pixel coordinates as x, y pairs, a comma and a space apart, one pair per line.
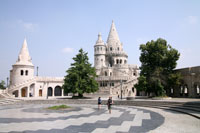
21, 85
6, 98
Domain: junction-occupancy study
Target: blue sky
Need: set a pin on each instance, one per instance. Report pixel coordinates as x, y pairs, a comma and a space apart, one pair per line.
56, 29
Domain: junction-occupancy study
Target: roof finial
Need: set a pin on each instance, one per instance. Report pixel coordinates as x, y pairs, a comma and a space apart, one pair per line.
113, 35
24, 57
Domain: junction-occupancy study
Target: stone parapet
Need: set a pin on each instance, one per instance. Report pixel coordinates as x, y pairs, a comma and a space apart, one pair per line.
111, 78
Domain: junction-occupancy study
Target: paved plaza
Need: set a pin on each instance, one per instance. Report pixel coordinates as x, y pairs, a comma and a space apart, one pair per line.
31, 118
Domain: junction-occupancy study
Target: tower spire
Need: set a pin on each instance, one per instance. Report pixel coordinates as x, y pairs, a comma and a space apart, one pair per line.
24, 57
99, 40
113, 37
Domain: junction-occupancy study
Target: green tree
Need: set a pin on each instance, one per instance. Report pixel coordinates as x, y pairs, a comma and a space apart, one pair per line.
80, 76
2, 85
158, 61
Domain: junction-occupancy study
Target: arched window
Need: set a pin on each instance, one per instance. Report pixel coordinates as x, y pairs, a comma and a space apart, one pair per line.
22, 72
26, 72
124, 61
97, 48
110, 48
118, 48
186, 90
198, 90
181, 90
172, 90
110, 73
120, 61
117, 61
106, 73
101, 48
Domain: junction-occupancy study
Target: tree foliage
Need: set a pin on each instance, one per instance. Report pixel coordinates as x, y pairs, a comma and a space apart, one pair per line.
2, 85
80, 76
158, 61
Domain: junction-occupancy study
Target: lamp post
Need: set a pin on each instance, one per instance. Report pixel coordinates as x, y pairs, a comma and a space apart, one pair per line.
7, 81
121, 88
192, 74
37, 70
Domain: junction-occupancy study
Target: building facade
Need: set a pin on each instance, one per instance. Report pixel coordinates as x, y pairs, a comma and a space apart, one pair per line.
190, 84
23, 83
115, 76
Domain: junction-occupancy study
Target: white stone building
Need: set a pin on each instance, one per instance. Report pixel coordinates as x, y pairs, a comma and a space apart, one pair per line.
23, 83
115, 76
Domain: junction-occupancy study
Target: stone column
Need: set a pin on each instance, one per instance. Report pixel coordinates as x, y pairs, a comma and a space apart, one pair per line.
53, 95
62, 92
28, 91
19, 93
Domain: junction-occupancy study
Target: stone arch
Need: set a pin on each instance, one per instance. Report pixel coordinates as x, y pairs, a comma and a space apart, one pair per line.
106, 73
50, 91
15, 93
58, 91
120, 61
26, 72
117, 61
24, 92
197, 89
32, 90
125, 61
22, 72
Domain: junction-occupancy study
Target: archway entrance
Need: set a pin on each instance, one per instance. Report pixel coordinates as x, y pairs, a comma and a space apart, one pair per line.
16, 93
23, 92
58, 91
50, 91
40, 93
32, 90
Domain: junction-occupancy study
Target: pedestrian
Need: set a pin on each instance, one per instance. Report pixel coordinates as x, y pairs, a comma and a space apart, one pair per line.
109, 103
99, 102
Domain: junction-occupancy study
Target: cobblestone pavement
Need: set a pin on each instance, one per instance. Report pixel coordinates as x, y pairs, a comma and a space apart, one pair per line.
31, 118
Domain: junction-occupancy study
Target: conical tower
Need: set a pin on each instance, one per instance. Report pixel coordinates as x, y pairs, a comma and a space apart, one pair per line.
23, 69
99, 53
113, 41
115, 54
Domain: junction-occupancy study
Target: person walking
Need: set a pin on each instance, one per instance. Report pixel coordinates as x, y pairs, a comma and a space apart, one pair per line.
99, 102
109, 103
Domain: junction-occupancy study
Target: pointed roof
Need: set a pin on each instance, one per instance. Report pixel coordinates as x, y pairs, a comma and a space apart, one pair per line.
113, 37
99, 40
24, 57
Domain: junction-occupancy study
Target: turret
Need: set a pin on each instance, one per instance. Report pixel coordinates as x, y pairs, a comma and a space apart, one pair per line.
115, 52
23, 69
99, 53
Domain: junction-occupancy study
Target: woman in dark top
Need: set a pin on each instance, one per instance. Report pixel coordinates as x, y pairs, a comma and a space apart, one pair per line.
109, 103
99, 102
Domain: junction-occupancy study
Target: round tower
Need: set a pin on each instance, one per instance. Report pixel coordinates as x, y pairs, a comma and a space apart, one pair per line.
99, 53
23, 69
115, 53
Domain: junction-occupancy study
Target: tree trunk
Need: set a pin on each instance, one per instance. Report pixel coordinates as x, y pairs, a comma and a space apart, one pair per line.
80, 95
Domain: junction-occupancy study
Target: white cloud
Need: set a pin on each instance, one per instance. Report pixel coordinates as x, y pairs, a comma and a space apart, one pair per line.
67, 50
192, 19
28, 26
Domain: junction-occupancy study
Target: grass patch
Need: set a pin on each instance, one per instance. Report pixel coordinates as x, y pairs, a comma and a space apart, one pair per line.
59, 107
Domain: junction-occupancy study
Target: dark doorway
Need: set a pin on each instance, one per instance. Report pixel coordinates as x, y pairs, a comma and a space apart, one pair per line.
58, 91
50, 91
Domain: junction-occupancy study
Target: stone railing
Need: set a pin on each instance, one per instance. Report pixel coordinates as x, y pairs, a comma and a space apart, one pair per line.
50, 79
109, 78
22, 83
